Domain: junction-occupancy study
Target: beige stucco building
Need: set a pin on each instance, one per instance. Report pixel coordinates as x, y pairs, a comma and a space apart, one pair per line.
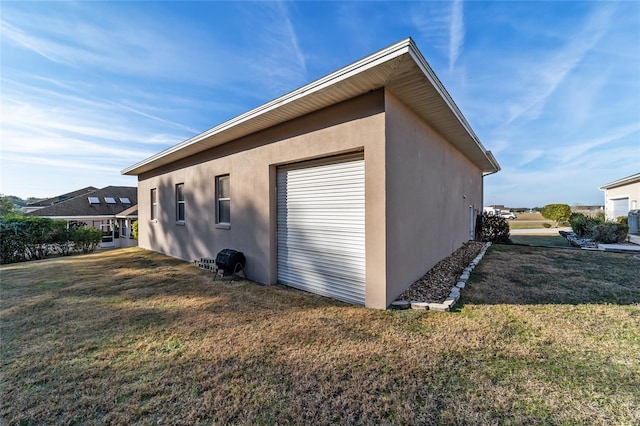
352, 186
621, 196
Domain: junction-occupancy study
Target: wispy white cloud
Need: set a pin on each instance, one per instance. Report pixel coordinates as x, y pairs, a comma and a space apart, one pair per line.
433, 22
66, 37
549, 73
568, 154
456, 33
102, 122
277, 58
44, 48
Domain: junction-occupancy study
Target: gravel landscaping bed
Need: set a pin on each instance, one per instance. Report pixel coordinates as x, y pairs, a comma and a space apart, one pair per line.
436, 284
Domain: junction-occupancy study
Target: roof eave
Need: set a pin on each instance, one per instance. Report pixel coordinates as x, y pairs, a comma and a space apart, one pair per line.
293, 105
620, 182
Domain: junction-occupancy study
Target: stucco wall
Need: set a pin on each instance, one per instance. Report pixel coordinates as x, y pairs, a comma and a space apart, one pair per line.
251, 162
631, 191
429, 188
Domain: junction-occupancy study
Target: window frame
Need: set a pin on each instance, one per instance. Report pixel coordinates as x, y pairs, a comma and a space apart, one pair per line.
179, 188
219, 223
154, 204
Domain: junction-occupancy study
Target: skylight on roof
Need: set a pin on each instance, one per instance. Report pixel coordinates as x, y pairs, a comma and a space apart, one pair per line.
110, 200
94, 200
125, 200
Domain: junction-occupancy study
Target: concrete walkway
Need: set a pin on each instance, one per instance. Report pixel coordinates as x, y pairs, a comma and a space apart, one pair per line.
619, 247
539, 231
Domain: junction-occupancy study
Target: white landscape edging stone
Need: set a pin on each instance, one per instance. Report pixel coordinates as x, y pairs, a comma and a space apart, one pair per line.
454, 295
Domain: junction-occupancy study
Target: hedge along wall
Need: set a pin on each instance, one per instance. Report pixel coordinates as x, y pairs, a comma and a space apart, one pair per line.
31, 238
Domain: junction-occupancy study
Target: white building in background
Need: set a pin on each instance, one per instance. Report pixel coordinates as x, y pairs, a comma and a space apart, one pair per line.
621, 196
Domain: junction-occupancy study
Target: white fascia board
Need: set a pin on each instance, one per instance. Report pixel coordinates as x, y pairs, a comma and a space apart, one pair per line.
620, 182
437, 84
344, 73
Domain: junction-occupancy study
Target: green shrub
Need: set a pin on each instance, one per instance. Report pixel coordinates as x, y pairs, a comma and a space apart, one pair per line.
30, 238
134, 229
546, 225
556, 212
12, 247
494, 229
583, 225
623, 220
610, 233
86, 238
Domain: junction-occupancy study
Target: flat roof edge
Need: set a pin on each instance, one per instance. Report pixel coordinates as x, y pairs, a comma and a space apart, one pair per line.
619, 182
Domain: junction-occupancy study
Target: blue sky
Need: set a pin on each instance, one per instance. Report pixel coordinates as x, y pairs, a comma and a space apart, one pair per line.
90, 88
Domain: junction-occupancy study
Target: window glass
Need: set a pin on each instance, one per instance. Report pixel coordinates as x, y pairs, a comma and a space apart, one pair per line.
223, 199
180, 202
224, 212
223, 186
154, 204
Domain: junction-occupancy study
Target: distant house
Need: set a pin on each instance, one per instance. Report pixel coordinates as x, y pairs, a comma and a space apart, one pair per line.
55, 200
351, 187
111, 209
621, 195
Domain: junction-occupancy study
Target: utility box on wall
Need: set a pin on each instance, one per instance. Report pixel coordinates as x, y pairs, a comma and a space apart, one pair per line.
634, 218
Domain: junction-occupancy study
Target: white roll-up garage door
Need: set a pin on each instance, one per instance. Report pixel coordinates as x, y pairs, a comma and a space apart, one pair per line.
620, 207
321, 234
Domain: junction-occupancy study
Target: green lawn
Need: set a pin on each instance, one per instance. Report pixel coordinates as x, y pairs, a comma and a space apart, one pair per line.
541, 336
540, 240
530, 224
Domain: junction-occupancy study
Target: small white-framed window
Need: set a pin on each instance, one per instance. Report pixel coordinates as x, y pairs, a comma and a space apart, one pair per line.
223, 200
180, 202
109, 200
123, 228
94, 200
154, 204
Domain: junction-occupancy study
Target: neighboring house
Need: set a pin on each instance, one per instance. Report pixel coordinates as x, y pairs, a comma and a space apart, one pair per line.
112, 209
55, 200
351, 187
621, 195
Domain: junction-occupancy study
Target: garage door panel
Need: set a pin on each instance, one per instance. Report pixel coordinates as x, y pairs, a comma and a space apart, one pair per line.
340, 288
346, 249
620, 207
328, 261
321, 244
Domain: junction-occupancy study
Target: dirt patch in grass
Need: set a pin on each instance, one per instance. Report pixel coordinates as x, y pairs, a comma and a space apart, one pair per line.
130, 336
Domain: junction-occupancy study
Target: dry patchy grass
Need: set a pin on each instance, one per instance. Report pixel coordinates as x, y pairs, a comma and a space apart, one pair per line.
129, 336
